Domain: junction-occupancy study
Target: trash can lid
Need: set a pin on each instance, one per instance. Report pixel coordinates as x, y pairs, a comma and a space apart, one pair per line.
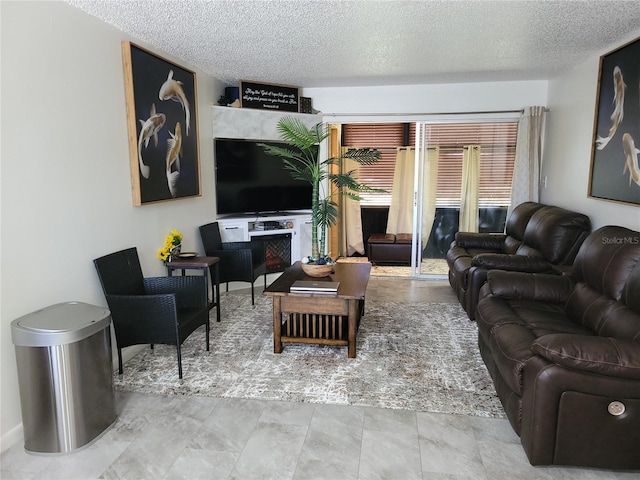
59, 324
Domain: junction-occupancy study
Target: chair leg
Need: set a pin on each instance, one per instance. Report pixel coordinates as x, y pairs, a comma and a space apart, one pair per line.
179, 361
253, 302
120, 361
265, 281
207, 328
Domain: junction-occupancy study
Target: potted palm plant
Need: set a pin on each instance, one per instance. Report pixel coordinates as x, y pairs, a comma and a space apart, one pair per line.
304, 163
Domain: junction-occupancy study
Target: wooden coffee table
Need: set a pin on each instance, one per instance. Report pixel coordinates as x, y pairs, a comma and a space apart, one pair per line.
319, 318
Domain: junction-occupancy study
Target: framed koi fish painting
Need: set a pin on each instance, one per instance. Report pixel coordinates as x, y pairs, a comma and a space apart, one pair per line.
615, 167
162, 123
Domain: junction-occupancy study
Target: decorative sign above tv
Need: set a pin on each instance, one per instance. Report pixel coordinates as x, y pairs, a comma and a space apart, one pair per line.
163, 129
269, 97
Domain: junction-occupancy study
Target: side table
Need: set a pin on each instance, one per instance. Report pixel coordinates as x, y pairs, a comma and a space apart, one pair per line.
204, 264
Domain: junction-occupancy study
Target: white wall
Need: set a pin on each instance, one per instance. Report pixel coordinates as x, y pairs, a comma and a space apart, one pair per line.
66, 190
567, 153
431, 99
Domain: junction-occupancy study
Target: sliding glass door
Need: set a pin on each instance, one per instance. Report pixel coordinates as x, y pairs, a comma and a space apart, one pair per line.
439, 177
463, 177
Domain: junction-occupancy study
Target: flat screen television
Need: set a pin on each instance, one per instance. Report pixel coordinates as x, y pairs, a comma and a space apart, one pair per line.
250, 181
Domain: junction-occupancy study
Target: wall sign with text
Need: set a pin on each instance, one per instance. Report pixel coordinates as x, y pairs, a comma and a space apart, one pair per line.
269, 97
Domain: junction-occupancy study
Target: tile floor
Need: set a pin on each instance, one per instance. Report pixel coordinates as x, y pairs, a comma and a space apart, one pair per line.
175, 437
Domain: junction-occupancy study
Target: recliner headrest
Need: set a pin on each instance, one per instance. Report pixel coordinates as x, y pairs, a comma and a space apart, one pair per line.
519, 218
606, 261
557, 233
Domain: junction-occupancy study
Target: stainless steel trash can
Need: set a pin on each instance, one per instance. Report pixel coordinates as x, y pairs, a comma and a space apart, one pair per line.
64, 359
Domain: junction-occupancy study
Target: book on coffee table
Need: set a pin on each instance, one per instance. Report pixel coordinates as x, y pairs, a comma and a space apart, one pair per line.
311, 286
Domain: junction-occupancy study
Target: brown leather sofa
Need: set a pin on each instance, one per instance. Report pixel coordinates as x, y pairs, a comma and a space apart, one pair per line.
564, 354
538, 238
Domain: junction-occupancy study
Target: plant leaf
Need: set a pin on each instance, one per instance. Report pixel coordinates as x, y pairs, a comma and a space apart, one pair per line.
364, 156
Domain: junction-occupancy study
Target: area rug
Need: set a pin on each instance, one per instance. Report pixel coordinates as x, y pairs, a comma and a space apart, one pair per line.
414, 356
429, 266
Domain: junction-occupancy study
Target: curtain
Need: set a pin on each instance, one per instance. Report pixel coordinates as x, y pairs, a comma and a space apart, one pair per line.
352, 239
400, 218
525, 185
335, 234
469, 190
429, 191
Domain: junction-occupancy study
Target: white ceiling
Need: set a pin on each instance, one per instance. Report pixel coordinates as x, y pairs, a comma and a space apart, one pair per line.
317, 43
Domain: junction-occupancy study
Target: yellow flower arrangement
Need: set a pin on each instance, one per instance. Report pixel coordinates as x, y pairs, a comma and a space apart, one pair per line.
171, 241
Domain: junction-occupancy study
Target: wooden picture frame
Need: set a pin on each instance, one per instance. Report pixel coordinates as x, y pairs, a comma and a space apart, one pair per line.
162, 122
615, 173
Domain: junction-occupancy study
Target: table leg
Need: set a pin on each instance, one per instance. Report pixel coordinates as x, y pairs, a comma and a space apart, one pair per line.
277, 326
216, 281
353, 319
206, 286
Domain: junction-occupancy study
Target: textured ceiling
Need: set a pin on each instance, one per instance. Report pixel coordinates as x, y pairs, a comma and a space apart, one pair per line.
314, 43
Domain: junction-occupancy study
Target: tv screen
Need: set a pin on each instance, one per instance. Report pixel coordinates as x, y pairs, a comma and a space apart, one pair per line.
248, 180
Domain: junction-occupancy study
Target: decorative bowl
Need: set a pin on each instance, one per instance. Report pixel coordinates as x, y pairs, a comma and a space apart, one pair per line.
314, 270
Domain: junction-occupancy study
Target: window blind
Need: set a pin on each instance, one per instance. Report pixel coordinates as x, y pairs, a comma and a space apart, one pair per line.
497, 140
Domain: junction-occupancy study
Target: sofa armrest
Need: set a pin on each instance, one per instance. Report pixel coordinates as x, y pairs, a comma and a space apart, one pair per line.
516, 263
486, 241
612, 357
532, 286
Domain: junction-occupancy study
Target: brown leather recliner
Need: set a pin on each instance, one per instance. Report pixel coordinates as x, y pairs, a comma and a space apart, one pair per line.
564, 354
537, 238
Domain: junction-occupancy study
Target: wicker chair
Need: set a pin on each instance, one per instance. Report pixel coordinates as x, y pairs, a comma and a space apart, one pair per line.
239, 261
163, 310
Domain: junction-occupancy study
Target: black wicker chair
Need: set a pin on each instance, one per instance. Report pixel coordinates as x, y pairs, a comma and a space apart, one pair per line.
239, 261
163, 310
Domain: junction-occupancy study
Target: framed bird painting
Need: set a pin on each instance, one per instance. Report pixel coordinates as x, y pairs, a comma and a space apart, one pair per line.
615, 152
162, 124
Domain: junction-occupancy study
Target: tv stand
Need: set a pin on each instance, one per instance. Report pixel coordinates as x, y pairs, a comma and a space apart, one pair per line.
272, 214
244, 228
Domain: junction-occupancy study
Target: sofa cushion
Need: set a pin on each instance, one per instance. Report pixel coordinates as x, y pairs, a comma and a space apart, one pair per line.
482, 242
511, 245
608, 260
510, 327
601, 355
607, 272
517, 223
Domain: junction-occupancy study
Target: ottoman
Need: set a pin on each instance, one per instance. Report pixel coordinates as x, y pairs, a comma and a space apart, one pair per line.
389, 248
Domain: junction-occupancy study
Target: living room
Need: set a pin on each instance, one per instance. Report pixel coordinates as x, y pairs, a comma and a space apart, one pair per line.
66, 190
